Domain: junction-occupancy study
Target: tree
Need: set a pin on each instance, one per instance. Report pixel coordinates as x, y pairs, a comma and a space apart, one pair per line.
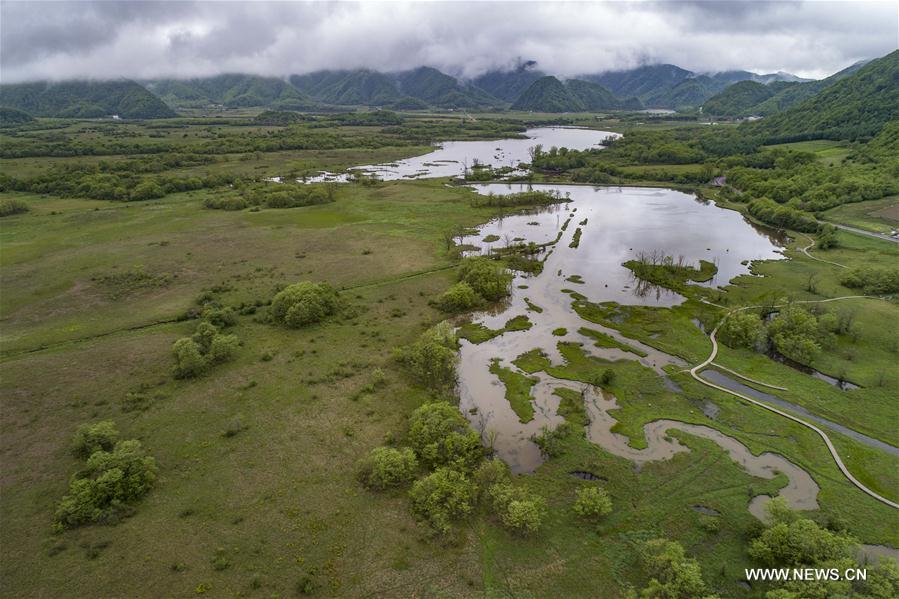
592, 502
487, 278
489, 473
459, 298
674, 575
743, 329
517, 509
441, 436
94, 437
388, 467
222, 348
110, 480
432, 358
795, 334
442, 497
304, 303
189, 360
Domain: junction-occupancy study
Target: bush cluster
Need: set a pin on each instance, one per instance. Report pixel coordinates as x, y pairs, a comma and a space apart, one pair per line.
304, 303
208, 346
270, 195
431, 360
872, 280
11, 206
111, 480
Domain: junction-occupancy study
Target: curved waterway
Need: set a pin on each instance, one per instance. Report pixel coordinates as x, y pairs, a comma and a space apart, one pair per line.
450, 158
616, 224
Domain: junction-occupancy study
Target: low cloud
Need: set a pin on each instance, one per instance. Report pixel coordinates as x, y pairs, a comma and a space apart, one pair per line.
64, 40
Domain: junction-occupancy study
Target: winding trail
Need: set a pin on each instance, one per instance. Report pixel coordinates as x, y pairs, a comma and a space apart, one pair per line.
694, 372
810, 246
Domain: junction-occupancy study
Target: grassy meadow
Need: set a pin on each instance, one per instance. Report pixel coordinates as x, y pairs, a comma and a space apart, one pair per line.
257, 493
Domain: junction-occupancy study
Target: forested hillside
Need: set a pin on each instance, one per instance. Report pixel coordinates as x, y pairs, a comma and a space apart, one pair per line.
857, 106
441, 90
359, 87
548, 94
231, 91
84, 99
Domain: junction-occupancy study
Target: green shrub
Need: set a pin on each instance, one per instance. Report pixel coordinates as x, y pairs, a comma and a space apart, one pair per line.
743, 329
872, 280
94, 437
388, 467
189, 360
592, 502
795, 333
110, 481
441, 436
222, 348
550, 441
431, 360
673, 574
459, 298
487, 278
442, 497
225, 203
517, 509
304, 303
11, 206
220, 317
490, 473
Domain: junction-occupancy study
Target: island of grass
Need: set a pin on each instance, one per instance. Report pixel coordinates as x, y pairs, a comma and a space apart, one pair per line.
532, 307
478, 333
576, 238
575, 279
604, 340
667, 272
532, 361
490, 238
560, 332
518, 390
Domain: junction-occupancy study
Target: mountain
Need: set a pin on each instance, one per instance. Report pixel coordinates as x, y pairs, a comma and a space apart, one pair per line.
744, 99
669, 86
10, 117
509, 85
738, 98
84, 99
441, 90
548, 94
356, 87
852, 107
231, 91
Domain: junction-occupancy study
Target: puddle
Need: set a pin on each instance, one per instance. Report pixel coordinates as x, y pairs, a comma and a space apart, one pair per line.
706, 510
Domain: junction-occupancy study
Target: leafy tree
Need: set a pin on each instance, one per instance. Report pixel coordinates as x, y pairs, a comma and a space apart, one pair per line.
592, 502
487, 278
189, 359
489, 473
795, 334
459, 298
222, 348
432, 358
517, 509
674, 575
110, 481
800, 542
388, 467
94, 437
304, 303
441, 436
442, 497
743, 329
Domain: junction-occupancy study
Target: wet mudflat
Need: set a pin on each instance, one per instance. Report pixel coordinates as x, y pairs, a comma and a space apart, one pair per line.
615, 224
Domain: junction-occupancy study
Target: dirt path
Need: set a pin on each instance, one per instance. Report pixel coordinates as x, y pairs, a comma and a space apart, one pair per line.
694, 372
810, 246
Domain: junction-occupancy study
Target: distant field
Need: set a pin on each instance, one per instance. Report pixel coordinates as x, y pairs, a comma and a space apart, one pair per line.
829, 152
879, 216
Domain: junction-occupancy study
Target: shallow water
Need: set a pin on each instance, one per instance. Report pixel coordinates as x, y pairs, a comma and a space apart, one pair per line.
450, 158
621, 222
800, 493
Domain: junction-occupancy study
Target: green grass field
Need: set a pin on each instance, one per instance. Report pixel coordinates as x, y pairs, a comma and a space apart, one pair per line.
94, 293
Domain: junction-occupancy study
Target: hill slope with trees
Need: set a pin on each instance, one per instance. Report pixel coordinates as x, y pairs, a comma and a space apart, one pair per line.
232, 91
84, 99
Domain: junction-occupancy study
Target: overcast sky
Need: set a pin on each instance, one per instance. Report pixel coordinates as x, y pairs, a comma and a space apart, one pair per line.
62, 40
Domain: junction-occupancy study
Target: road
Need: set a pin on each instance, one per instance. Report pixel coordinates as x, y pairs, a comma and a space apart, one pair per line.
694, 372
867, 233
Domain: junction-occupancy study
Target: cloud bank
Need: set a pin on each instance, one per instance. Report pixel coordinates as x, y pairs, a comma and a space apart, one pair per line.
141, 40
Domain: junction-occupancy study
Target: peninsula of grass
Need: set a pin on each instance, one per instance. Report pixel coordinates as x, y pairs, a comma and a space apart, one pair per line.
478, 333
604, 340
518, 390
